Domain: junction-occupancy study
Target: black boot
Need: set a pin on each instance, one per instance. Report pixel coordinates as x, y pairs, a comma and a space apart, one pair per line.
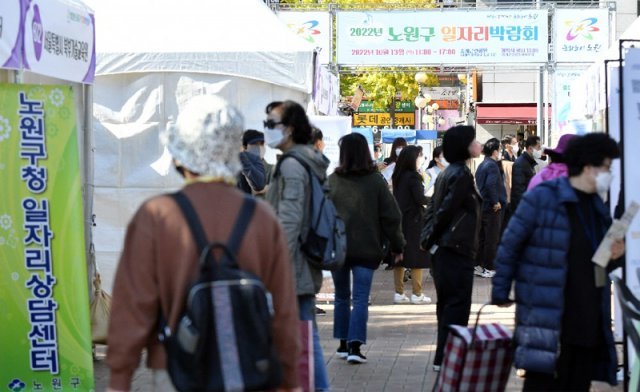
355, 356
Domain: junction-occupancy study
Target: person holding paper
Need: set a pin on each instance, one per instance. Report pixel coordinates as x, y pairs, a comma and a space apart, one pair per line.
563, 336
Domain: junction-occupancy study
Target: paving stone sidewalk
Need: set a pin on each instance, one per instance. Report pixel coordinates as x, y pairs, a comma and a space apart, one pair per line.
400, 347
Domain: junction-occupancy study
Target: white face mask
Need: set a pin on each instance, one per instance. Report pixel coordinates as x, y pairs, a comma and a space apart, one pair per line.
273, 137
603, 182
398, 150
515, 148
443, 161
537, 154
420, 162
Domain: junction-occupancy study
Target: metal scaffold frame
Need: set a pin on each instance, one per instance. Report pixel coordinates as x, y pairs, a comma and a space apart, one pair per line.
545, 70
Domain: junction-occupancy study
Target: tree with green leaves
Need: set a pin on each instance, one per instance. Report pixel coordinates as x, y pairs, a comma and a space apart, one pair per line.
383, 86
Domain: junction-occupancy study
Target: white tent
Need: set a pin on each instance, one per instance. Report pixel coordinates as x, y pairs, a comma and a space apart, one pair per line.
153, 55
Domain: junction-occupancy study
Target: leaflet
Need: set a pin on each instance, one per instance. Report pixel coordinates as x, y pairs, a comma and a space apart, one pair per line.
617, 231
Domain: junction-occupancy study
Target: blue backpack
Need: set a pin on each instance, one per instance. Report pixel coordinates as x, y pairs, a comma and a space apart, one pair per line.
326, 243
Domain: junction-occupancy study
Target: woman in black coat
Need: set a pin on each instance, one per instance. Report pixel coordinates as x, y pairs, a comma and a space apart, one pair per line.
451, 233
408, 190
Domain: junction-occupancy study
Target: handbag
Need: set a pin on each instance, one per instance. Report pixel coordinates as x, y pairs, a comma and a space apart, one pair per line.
100, 312
476, 359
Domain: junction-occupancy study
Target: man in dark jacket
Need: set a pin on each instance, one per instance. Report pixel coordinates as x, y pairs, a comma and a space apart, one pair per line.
253, 176
494, 198
523, 170
450, 233
563, 335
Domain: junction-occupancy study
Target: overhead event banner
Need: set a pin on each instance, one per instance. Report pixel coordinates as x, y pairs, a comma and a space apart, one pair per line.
580, 34
442, 37
46, 334
313, 27
11, 12
59, 40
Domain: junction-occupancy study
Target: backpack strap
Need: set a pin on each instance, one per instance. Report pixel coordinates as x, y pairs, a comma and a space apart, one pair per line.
200, 237
198, 233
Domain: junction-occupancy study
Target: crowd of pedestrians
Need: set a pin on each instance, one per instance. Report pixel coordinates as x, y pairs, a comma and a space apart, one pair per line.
503, 222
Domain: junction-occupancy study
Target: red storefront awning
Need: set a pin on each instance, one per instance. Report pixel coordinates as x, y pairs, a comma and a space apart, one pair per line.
507, 113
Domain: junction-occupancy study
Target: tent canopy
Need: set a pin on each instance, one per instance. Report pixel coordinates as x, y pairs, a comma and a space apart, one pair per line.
237, 38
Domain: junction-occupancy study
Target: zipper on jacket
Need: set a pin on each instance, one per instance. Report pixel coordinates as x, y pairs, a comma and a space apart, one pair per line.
453, 228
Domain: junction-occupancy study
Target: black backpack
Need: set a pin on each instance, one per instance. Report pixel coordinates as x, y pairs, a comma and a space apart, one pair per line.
326, 242
223, 341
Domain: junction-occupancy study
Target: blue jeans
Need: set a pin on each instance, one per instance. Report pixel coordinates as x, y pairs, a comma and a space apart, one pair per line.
307, 306
351, 324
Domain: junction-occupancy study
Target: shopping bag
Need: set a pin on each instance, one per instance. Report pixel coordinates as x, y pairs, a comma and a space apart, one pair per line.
305, 360
100, 312
476, 358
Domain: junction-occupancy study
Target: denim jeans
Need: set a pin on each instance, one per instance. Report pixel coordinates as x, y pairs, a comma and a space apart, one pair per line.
351, 324
307, 306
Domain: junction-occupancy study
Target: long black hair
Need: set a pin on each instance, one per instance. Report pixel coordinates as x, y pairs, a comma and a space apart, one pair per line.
355, 157
436, 153
406, 162
397, 142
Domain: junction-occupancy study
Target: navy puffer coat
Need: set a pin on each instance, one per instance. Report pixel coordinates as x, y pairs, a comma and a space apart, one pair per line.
533, 253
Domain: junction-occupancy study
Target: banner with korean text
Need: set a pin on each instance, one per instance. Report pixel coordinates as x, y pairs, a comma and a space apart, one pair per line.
11, 12
580, 34
46, 334
442, 37
59, 40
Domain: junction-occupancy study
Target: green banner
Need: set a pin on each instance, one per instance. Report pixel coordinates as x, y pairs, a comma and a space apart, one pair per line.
401, 107
45, 342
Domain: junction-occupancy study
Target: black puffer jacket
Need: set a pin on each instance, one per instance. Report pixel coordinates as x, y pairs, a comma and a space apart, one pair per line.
454, 212
522, 172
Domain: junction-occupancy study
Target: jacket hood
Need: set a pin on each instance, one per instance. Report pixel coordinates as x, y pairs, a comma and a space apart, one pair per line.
554, 170
312, 157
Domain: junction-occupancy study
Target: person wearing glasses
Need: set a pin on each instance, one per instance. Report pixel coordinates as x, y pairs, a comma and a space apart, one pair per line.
563, 332
287, 128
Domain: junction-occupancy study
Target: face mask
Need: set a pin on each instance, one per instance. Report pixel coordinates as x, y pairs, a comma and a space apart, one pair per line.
420, 163
273, 137
443, 161
603, 182
537, 154
515, 148
398, 150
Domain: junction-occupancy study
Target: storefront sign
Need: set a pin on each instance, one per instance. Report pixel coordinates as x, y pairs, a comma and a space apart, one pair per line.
401, 107
59, 40
313, 27
46, 334
383, 119
442, 37
11, 12
580, 34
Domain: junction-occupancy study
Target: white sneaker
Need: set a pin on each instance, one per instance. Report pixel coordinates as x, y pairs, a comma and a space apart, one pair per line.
478, 271
488, 273
420, 300
400, 299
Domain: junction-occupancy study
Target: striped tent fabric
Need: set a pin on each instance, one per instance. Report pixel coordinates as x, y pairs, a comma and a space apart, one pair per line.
480, 363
